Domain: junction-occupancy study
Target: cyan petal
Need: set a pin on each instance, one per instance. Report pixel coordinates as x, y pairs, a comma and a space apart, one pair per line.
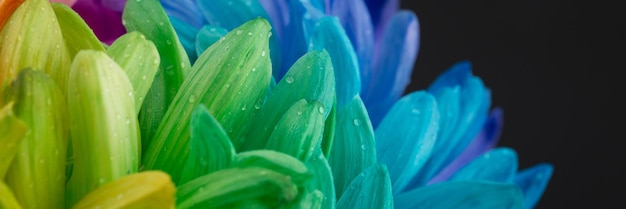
371, 189
185, 10
533, 181
462, 195
353, 148
497, 165
187, 36
486, 139
454, 76
330, 35
207, 36
355, 18
405, 152
230, 14
393, 65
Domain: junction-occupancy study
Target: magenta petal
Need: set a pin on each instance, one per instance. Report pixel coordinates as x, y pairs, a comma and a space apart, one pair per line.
105, 23
486, 139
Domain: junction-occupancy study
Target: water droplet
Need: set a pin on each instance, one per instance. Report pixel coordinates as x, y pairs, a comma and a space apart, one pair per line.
127, 121
257, 105
168, 42
253, 69
321, 109
289, 79
192, 98
119, 196
299, 112
356, 122
363, 147
249, 33
263, 53
144, 77
416, 111
243, 108
239, 32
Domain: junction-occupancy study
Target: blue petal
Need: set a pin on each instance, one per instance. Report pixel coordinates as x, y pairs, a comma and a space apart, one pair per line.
329, 35
278, 11
393, 65
533, 181
455, 134
355, 18
497, 165
230, 14
371, 189
187, 36
405, 152
461, 195
207, 36
185, 10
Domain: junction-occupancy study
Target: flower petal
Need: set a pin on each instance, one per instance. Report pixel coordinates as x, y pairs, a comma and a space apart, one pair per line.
485, 140
140, 61
322, 178
237, 187
405, 152
371, 189
185, 10
497, 165
355, 19
210, 148
37, 173
330, 35
75, 29
230, 78
229, 14
23, 34
103, 124
207, 36
7, 7
105, 22
278, 11
173, 67
354, 148
187, 35
393, 65
462, 194
533, 181
12, 132
310, 78
275, 161
150, 189
7, 199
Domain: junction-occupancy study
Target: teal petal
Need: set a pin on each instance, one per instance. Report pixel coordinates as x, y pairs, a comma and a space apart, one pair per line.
371, 189
207, 36
463, 195
187, 36
533, 181
405, 152
497, 165
210, 149
353, 149
330, 35
230, 14
322, 178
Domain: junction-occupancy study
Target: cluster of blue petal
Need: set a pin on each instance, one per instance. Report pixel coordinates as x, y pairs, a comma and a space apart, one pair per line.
433, 141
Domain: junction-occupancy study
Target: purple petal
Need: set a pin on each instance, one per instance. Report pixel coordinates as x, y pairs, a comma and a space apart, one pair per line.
278, 11
115, 5
392, 65
105, 23
486, 139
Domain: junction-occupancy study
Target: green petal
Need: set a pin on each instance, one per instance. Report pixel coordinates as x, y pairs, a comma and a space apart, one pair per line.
140, 60
210, 149
37, 174
24, 34
353, 147
7, 199
371, 189
150, 189
299, 131
12, 131
329, 130
322, 179
310, 78
207, 36
103, 123
149, 18
230, 78
75, 30
237, 188
275, 161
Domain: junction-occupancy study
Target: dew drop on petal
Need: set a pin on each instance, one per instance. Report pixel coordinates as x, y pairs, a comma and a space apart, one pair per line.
289, 79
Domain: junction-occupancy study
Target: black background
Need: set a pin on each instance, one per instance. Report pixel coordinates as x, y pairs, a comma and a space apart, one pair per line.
555, 68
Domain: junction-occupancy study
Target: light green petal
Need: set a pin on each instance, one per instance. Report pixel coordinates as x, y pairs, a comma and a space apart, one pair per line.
103, 123
276, 161
33, 39
150, 189
7, 199
149, 18
237, 188
353, 147
37, 174
231, 77
140, 60
12, 131
76, 32
210, 148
